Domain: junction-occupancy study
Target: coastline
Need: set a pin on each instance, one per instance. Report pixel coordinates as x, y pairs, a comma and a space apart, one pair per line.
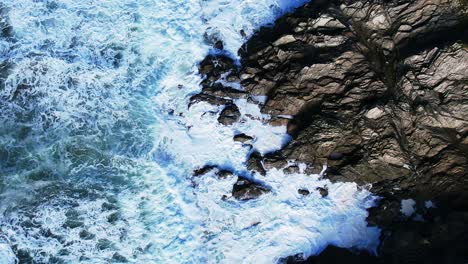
344, 77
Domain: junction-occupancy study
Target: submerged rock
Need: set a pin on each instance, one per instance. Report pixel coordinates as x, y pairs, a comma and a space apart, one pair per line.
117, 258
86, 235
104, 244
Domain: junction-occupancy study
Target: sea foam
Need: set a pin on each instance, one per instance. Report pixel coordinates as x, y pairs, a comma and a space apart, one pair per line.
97, 144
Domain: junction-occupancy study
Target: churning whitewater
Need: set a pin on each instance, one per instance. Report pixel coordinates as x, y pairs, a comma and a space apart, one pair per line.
97, 144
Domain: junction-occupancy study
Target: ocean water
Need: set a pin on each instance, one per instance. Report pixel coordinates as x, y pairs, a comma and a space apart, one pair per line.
97, 144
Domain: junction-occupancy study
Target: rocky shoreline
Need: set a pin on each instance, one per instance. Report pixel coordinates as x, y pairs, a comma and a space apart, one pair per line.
378, 92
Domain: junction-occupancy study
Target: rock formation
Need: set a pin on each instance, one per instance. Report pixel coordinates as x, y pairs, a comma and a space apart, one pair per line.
378, 91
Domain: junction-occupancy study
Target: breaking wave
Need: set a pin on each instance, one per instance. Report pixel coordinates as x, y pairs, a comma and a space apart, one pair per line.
97, 146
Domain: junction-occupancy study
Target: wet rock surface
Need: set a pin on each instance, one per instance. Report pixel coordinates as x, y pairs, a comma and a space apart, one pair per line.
245, 190
243, 138
323, 191
255, 164
377, 91
304, 192
229, 115
220, 73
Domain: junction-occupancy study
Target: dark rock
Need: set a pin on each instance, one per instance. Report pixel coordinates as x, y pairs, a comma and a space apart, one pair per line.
23, 255
219, 45
436, 235
271, 160
385, 213
203, 170
114, 217
213, 66
224, 174
220, 172
363, 87
377, 91
119, 258
245, 190
323, 191
254, 163
214, 39
243, 34
229, 115
6, 30
296, 259
214, 69
56, 260
214, 100
335, 156
72, 213
109, 206
304, 192
292, 169
84, 259
72, 223
218, 90
243, 138
64, 252
104, 244
49, 234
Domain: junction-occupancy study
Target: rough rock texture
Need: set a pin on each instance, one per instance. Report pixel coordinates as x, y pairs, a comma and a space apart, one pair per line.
378, 91
219, 71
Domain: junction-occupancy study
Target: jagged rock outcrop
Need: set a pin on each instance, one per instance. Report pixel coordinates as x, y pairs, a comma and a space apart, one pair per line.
378, 91
244, 189
219, 72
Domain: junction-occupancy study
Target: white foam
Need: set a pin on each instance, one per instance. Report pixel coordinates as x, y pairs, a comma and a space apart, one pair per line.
284, 222
429, 204
7, 255
407, 207
98, 121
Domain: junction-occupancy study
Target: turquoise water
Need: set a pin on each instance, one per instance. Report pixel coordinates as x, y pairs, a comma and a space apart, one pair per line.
94, 168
